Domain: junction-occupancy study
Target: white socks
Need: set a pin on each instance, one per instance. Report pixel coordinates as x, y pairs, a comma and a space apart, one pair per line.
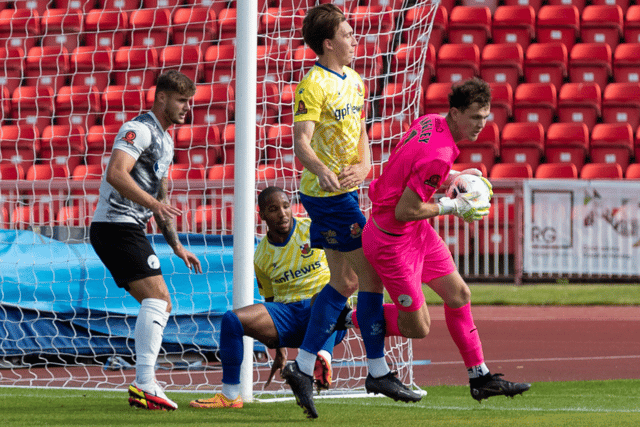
378, 367
150, 325
306, 361
231, 391
477, 371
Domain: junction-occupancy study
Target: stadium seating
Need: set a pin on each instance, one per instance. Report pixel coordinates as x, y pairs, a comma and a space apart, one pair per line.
198, 145
24, 217
33, 106
535, 4
632, 24
546, 63
74, 216
457, 62
514, 24
502, 63
436, 99
185, 58
602, 23
279, 150
43, 176
522, 143
195, 26
106, 28
135, 66
490, 4
621, 103
567, 143
274, 62
20, 27
11, 67
383, 137
91, 66
119, 4
590, 62
396, 99
227, 21
601, 171
501, 103
373, 24
633, 171
438, 32
211, 219
62, 27
511, 170
612, 143
19, 145
46, 65
63, 145
535, 102
403, 64
460, 166
267, 99
213, 104
99, 141
485, 149
219, 64
558, 23
121, 103
5, 104
287, 96
151, 28
556, 171
83, 173
78, 105
626, 63
368, 63
580, 103
470, 24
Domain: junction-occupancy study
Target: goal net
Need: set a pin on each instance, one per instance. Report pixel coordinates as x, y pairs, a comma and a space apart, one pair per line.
72, 72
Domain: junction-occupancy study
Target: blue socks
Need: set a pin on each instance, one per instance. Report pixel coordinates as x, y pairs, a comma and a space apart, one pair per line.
231, 347
371, 322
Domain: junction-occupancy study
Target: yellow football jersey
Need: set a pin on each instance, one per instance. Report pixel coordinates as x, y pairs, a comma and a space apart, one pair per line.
291, 271
336, 104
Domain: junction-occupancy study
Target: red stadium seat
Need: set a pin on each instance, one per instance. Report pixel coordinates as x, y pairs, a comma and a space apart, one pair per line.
227, 21
47, 174
633, 171
63, 145
590, 62
368, 63
514, 24
121, 103
47, 66
74, 216
221, 172
267, 103
602, 24
405, 64
219, 64
83, 5
188, 171
535, 102
556, 171
170, 4
196, 26
62, 27
522, 143
624, 4
19, 27
626, 63
558, 24
151, 28
396, 98
567, 143
185, 58
78, 106
303, 59
11, 67
436, 99
502, 63
213, 104
490, 4
470, 24
511, 170
485, 149
383, 137
198, 145
457, 62
579, 4
601, 171
211, 219
100, 139
535, 4
621, 104
279, 150
91, 66
632, 24
32, 106
274, 62
501, 103
374, 24
20, 145
612, 143
580, 103
411, 34
82, 173
127, 5
5, 104
460, 166
10, 172
287, 96
282, 26
106, 28
546, 63
25, 217
135, 66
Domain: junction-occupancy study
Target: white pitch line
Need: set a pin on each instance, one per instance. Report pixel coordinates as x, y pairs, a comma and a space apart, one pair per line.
548, 359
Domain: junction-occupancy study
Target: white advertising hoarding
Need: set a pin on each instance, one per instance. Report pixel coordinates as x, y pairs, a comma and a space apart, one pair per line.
581, 227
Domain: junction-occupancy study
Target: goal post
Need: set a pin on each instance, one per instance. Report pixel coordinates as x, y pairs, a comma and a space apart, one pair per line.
63, 321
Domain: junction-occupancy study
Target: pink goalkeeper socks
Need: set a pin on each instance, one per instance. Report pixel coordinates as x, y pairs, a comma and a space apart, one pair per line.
465, 334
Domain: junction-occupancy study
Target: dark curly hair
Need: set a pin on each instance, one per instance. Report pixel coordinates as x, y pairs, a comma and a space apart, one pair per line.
466, 93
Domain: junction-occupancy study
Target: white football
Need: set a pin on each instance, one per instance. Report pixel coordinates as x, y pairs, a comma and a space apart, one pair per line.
466, 183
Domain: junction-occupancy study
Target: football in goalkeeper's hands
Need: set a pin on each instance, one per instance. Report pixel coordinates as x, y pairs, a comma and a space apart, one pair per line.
465, 183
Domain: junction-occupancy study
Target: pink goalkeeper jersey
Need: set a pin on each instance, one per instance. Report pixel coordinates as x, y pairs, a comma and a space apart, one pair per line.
421, 161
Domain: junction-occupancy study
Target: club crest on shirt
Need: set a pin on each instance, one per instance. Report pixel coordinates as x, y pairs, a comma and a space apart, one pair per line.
359, 89
433, 181
330, 236
305, 250
355, 230
129, 137
302, 109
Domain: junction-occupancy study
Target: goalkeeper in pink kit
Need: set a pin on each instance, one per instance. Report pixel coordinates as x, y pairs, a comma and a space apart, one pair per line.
406, 251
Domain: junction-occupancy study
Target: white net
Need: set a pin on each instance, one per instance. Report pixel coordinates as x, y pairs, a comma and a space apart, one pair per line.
72, 72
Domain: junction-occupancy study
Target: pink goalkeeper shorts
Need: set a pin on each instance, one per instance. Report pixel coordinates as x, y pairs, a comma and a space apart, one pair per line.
405, 262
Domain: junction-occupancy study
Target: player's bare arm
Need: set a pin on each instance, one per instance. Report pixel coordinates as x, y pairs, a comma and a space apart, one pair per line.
352, 175
302, 133
410, 207
119, 176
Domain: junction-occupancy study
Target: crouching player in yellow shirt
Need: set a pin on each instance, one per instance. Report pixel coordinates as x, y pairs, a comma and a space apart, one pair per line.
289, 273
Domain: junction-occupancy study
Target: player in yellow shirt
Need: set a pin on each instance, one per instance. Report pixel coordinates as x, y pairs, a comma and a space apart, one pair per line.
289, 273
330, 140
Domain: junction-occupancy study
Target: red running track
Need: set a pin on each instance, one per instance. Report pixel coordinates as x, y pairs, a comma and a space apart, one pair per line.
531, 344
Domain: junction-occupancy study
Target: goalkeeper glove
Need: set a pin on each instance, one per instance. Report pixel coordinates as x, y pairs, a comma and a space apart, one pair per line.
464, 206
454, 173
489, 186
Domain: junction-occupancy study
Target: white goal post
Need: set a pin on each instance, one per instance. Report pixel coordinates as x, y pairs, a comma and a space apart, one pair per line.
67, 89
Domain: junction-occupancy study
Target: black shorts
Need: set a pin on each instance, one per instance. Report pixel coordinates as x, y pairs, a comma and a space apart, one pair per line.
125, 251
